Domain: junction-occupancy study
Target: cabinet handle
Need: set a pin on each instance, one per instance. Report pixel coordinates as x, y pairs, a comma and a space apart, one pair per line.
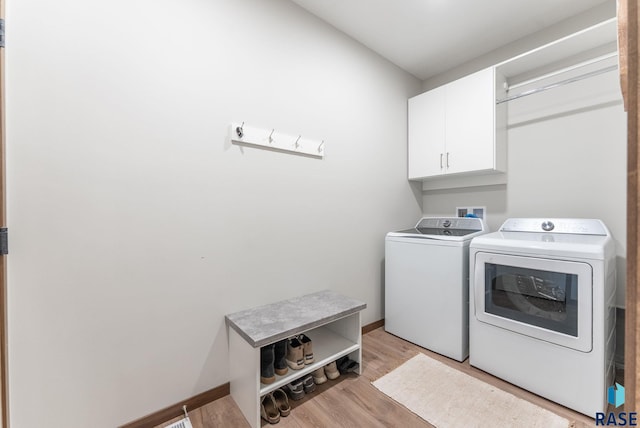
447, 159
440, 160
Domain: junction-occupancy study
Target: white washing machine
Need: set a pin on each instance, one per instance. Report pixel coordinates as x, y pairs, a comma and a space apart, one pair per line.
542, 312
426, 283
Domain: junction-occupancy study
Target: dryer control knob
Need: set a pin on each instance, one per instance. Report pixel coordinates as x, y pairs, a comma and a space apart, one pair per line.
548, 225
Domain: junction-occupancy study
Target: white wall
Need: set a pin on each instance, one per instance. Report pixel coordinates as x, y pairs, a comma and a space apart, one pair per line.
136, 226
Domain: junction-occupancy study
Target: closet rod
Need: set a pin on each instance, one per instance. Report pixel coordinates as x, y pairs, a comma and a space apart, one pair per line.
555, 85
564, 70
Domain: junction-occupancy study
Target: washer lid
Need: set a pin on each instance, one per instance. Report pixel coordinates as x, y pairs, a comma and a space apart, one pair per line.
445, 228
437, 232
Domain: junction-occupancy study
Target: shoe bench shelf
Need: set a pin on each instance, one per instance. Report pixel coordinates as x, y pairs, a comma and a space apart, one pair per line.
331, 320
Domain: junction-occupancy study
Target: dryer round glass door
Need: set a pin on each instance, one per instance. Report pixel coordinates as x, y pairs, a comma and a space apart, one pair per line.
542, 298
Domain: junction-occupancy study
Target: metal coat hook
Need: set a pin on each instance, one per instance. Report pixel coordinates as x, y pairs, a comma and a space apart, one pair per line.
320, 146
298, 139
270, 136
240, 130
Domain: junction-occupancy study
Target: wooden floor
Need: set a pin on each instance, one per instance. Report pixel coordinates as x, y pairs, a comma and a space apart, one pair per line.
351, 401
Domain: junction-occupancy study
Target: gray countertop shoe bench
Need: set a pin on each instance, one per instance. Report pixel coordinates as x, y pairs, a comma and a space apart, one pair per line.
331, 320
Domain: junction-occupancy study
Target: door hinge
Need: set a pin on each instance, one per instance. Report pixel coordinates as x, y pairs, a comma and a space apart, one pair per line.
1, 33
4, 241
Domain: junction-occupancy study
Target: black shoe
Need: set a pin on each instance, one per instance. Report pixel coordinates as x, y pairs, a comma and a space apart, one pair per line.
267, 356
280, 363
347, 365
308, 384
295, 389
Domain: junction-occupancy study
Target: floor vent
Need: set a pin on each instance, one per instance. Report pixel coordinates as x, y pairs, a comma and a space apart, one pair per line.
182, 423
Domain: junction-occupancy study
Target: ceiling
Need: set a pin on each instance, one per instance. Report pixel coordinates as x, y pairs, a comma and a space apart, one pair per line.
428, 37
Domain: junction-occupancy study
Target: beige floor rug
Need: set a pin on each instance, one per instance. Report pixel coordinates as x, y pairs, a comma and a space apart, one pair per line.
448, 398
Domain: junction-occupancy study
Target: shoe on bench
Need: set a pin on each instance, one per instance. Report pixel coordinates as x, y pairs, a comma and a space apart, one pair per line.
268, 410
308, 348
295, 354
295, 390
267, 374
308, 384
282, 402
331, 370
319, 377
347, 365
280, 354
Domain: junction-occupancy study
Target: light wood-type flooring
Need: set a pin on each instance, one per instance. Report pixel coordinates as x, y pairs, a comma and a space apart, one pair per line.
351, 401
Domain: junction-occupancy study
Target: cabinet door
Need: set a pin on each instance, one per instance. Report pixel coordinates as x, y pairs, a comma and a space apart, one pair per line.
470, 106
426, 133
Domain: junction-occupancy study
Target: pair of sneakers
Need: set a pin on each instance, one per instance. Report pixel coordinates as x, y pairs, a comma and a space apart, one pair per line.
274, 405
301, 386
347, 365
307, 384
330, 371
299, 352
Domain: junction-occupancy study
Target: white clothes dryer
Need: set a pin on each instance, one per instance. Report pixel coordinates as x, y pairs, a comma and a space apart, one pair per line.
427, 283
542, 312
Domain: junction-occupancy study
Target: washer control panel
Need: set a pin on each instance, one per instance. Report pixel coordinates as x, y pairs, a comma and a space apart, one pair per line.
463, 223
575, 226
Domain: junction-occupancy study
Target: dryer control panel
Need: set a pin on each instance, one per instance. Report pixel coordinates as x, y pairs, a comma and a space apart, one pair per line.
575, 226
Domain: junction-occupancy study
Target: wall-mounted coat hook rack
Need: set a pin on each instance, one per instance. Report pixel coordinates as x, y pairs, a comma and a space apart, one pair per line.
269, 138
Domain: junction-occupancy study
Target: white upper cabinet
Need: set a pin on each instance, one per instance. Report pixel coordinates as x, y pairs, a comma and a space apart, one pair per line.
457, 128
470, 124
427, 124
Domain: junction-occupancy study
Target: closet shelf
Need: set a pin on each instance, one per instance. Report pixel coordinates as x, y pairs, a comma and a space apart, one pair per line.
597, 43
